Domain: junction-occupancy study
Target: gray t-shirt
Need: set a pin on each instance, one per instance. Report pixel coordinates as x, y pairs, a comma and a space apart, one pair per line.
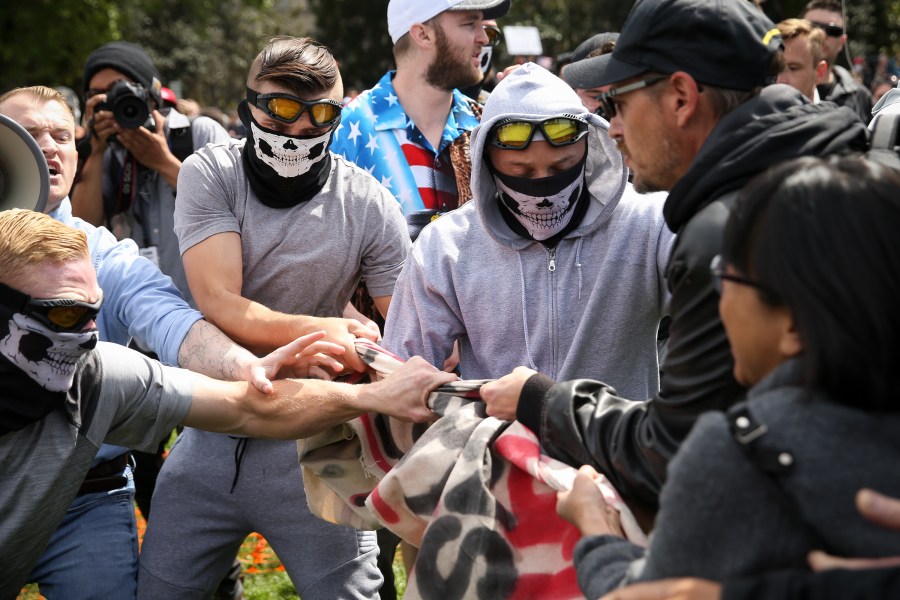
307, 259
126, 399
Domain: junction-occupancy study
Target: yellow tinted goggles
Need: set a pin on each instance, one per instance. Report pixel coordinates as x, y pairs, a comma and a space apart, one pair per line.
516, 134
59, 314
287, 108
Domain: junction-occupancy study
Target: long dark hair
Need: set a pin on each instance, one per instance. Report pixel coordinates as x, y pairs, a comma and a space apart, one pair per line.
823, 236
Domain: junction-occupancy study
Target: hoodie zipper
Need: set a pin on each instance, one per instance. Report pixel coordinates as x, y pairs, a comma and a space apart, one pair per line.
552, 293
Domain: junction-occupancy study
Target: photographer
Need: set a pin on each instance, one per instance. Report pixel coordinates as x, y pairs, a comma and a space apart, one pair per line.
128, 180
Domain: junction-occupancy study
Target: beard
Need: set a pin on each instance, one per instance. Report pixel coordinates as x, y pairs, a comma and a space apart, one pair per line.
450, 70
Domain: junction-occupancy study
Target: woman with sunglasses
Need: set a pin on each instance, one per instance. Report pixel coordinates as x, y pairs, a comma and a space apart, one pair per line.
809, 297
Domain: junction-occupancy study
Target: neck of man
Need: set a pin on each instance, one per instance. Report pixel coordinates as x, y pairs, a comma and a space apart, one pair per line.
426, 105
828, 78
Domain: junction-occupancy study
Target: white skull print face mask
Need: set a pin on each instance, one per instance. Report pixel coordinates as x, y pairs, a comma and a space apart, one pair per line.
48, 357
289, 156
543, 206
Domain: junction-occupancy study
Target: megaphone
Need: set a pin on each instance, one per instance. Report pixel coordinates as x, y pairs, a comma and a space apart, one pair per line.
24, 176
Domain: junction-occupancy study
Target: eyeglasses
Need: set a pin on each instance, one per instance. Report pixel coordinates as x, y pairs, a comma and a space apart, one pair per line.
494, 35
830, 29
59, 314
516, 134
287, 108
717, 268
607, 99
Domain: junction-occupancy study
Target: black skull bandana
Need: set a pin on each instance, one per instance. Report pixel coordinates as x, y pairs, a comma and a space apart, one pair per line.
37, 366
283, 170
542, 206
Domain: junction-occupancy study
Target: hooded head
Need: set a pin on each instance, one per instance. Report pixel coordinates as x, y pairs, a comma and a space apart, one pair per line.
532, 93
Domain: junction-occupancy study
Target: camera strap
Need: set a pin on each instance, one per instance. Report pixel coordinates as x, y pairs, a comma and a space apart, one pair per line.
127, 178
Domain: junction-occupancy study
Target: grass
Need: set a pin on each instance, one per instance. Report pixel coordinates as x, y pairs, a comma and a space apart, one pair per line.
264, 575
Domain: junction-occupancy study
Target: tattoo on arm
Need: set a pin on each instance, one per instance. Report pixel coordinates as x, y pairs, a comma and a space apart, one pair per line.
207, 350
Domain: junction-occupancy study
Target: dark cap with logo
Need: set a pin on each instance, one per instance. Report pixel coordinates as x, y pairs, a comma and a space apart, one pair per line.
724, 43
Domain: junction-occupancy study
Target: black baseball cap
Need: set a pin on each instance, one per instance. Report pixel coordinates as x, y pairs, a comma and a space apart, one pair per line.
723, 43
581, 72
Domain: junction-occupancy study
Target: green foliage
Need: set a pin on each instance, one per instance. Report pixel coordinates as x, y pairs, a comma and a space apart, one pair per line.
45, 42
356, 33
208, 45
269, 586
565, 24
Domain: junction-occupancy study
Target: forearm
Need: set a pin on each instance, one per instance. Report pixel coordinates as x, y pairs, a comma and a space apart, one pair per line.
87, 196
297, 409
169, 170
252, 324
207, 350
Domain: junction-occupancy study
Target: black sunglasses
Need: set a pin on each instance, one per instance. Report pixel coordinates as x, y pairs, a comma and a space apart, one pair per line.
494, 35
288, 108
516, 134
607, 100
717, 268
830, 29
59, 314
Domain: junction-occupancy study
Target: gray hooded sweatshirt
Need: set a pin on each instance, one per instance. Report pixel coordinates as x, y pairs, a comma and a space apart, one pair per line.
591, 306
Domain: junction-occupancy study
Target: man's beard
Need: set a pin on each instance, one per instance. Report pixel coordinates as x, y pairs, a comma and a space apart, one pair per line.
448, 71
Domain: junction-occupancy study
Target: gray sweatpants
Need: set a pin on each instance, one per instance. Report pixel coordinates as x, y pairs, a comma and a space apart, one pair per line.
198, 523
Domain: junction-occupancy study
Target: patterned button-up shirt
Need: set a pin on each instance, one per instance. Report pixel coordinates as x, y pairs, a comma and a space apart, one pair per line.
377, 134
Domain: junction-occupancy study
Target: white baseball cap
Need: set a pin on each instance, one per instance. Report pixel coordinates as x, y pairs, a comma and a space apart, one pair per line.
403, 14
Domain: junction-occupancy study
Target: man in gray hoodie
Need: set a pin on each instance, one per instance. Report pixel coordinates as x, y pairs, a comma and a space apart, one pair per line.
556, 263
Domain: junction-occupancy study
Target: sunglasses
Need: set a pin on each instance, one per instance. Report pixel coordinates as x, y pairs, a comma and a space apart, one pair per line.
494, 35
516, 134
830, 29
717, 269
287, 108
59, 314
607, 100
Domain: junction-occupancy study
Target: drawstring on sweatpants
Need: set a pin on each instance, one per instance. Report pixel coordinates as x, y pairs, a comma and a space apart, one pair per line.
238, 459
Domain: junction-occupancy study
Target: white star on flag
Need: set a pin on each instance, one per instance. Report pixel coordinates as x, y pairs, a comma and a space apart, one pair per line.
391, 99
354, 132
372, 145
386, 181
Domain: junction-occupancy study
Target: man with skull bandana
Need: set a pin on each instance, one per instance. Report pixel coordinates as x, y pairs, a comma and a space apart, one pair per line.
139, 303
272, 228
63, 393
556, 262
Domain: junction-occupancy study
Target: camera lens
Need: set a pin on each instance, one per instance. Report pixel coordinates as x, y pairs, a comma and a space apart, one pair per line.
131, 112
129, 103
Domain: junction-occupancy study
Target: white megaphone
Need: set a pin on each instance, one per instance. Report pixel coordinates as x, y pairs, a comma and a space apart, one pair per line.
24, 177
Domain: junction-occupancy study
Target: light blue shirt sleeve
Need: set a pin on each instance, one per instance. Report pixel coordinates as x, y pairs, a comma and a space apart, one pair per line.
139, 301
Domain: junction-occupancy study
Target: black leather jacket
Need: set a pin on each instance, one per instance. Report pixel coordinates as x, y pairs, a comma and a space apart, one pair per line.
846, 92
632, 441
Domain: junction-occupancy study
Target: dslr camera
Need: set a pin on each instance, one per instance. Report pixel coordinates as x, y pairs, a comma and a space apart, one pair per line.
130, 105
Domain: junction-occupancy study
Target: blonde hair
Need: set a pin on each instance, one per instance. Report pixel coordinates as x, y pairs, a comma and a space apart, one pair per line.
791, 28
39, 94
30, 239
